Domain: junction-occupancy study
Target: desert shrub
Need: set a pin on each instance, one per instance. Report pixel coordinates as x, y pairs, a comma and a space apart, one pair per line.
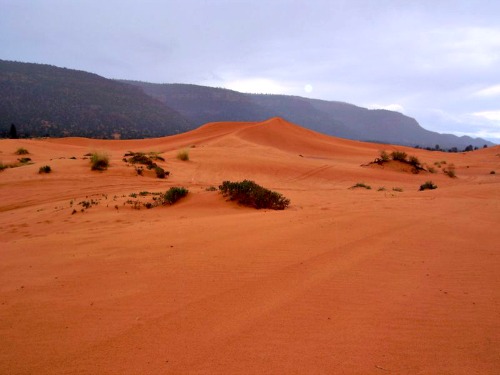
211, 188
139, 170
249, 193
183, 155
45, 169
384, 156
398, 189
492, 172
160, 172
399, 155
3, 166
431, 170
428, 185
21, 151
413, 160
24, 160
99, 161
361, 185
450, 171
382, 188
174, 194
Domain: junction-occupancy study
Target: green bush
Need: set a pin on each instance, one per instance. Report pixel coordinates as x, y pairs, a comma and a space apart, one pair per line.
399, 155
99, 161
428, 185
22, 151
248, 193
384, 156
183, 155
160, 172
45, 169
174, 194
413, 160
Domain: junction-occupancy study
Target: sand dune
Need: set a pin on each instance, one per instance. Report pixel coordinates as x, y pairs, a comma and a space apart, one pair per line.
344, 281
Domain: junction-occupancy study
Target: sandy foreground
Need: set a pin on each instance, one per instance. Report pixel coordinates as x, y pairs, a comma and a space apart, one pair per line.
344, 281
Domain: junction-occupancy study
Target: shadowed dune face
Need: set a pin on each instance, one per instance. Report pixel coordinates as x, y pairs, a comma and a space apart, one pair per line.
342, 281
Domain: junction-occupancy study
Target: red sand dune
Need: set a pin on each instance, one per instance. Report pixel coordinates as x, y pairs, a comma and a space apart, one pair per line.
344, 281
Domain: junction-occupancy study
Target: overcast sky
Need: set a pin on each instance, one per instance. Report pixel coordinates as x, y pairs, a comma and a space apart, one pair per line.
436, 61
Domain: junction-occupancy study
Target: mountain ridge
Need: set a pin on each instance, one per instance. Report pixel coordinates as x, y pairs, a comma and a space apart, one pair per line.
45, 100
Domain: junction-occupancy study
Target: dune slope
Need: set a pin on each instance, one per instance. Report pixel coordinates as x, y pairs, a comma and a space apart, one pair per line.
343, 281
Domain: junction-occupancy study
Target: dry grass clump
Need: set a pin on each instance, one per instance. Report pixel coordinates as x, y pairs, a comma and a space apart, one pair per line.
99, 161
22, 151
183, 155
450, 171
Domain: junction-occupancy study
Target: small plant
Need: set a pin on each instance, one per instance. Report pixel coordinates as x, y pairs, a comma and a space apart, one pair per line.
3, 166
361, 185
251, 194
211, 188
183, 155
428, 185
399, 155
413, 160
384, 156
431, 169
381, 189
160, 172
45, 169
398, 189
174, 194
492, 172
21, 151
450, 171
24, 160
99, 161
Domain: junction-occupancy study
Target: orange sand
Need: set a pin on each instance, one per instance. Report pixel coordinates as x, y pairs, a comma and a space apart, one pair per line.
342, 282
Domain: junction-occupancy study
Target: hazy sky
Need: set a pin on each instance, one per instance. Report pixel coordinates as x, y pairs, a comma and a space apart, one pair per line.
437, 61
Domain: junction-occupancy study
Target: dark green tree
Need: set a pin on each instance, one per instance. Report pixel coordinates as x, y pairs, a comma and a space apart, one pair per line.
13, 132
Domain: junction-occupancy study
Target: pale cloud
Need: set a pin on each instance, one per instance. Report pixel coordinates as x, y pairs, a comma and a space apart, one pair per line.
489, 91
489, 115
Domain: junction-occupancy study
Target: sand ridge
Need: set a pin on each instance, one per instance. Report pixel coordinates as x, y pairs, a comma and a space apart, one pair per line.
343, 281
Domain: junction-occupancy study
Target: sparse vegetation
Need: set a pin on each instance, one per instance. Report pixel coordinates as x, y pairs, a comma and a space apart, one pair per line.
398, 189
382, 188
183, 155
428, 185
21, 151
148, 160
160, 172
99, 161
24, 160
174, 194
384, 156
492, 172
450, 171
361, 185
249, 193
211, 188
399, 155
431, 169
45, 169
